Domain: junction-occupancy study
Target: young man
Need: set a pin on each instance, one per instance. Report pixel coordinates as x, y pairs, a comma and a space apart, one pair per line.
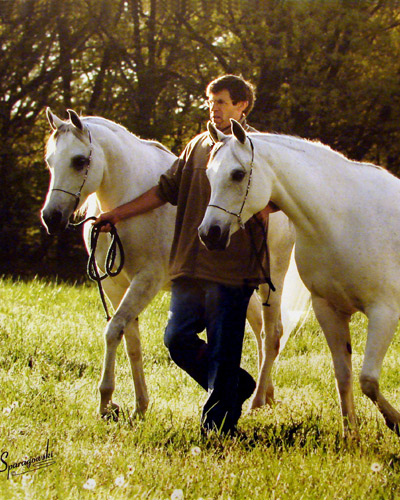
210, 290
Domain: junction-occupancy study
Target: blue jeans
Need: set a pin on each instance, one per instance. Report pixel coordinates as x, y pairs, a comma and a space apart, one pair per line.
221, 310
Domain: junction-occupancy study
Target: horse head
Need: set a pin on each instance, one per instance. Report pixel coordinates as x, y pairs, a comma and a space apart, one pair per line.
231, 173
69, 158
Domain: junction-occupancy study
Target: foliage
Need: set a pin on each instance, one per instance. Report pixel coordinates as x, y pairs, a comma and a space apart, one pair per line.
51, 352
326, 70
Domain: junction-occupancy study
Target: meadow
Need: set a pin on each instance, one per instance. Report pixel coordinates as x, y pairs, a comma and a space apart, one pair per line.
51, 353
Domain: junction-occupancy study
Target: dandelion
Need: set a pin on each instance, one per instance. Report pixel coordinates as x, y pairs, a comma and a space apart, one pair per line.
195, 451
90, 484
7, 411
120, 481
177, 495
375, 467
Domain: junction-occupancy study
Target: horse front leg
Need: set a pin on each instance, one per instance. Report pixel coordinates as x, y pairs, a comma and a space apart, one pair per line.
335, 326
264, 393
280, 242
140, 292
381, 327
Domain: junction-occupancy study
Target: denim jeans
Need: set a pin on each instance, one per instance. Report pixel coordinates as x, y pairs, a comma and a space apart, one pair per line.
221, 310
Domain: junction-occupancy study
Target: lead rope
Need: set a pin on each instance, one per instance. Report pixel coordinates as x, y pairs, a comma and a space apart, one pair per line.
257, 254
92, 267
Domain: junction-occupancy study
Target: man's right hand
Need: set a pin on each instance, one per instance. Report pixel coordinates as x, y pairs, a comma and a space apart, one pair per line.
106, 217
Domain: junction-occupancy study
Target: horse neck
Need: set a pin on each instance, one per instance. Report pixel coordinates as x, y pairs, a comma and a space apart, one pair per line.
303, 183
130, 166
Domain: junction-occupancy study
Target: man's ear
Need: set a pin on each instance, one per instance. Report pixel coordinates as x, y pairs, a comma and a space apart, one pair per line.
238, 131
215, 134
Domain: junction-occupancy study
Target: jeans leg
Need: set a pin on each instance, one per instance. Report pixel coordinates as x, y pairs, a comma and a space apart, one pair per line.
186, 321
228, 384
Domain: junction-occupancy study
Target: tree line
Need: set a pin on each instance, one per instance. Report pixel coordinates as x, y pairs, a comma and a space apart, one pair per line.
326, 70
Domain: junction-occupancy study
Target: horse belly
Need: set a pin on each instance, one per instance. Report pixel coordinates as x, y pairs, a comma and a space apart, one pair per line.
350, 278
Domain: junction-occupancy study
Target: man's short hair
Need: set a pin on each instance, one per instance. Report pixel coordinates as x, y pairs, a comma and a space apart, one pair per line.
239, 89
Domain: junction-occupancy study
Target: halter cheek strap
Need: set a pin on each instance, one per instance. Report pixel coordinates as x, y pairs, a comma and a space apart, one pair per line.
238, 215
77, 195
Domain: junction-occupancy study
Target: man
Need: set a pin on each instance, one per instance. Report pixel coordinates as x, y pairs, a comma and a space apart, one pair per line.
210, 290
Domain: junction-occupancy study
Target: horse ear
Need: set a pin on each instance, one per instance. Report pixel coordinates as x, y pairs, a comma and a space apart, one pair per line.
75, 120
215, 134
238, 131
54, 121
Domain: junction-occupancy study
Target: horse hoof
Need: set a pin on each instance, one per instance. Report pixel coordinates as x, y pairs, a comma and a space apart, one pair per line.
111, 413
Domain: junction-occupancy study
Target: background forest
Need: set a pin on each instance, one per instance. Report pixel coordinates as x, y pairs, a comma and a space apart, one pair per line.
326, 70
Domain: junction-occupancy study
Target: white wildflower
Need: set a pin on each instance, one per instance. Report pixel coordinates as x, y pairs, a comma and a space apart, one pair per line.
120, 481
7, 411
375, 467
90, 484
195, 451
177, 495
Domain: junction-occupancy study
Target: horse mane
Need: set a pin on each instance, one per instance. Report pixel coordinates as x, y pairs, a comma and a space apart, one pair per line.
118, 128
285, 140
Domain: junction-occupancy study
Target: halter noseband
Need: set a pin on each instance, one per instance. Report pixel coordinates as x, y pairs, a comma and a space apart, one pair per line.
77, 195
239, 214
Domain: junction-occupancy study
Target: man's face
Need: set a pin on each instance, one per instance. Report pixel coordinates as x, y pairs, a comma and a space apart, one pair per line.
222, 109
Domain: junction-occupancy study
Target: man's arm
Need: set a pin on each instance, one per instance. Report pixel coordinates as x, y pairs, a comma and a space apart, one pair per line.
140, 205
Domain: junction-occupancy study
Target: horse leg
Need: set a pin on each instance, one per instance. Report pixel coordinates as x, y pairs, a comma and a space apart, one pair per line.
381, 327
254, 317
335, 326
141, 290
134, 352
112, 339
280, 242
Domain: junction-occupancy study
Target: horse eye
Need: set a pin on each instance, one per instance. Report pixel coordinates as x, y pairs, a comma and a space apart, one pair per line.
79, 162
238, 175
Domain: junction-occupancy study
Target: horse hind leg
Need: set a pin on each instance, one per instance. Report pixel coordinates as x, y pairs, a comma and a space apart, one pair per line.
254, 317
381, 327
335, 326
134, 352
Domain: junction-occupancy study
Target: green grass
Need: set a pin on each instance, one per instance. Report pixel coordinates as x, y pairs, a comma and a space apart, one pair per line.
51, 352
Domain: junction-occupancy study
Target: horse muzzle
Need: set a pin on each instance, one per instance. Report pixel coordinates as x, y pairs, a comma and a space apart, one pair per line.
213, 237
54, 221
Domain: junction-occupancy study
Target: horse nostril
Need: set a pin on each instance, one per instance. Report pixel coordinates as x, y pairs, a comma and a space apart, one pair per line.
215, 239
53, 221
214, 234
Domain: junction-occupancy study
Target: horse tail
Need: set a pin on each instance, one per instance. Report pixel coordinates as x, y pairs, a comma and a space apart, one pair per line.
295, 302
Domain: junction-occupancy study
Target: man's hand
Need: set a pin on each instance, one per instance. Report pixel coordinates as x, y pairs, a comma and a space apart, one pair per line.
106, 217
269, 209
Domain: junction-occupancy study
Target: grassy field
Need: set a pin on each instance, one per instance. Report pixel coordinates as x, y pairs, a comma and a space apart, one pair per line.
51, 352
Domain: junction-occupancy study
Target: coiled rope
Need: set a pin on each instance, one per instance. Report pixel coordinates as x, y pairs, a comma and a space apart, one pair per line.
112, 252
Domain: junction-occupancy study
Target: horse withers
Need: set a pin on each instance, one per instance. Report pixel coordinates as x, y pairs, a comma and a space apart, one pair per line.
347, 220
95, 156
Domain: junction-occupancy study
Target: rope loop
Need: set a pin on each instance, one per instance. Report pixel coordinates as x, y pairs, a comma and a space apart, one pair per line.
113, 250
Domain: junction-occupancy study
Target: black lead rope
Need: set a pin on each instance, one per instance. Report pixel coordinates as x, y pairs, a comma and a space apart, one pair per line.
258, 256
92, 267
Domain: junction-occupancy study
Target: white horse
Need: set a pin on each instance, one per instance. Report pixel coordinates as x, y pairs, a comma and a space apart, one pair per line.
347, 220
94, 155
